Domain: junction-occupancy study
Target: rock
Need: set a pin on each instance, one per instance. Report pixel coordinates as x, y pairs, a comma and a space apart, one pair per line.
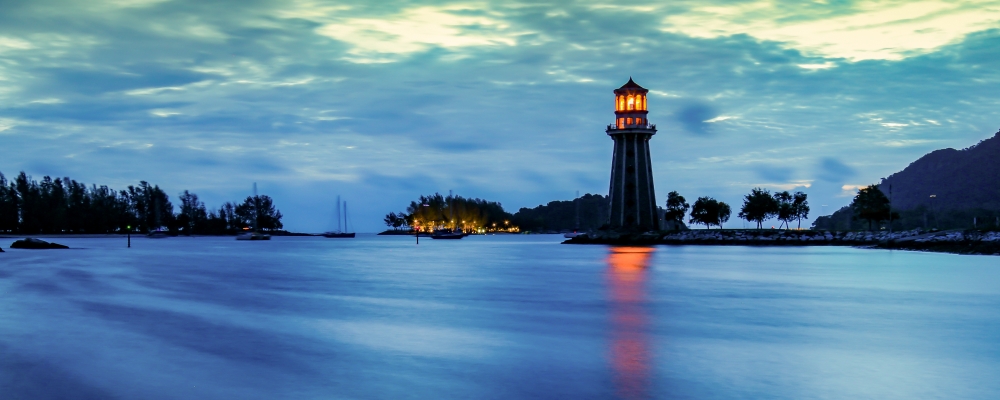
35, 244
1, 249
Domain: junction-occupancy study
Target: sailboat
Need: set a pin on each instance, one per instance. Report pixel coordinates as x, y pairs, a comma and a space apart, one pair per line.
576, 228
339, 233
253, 234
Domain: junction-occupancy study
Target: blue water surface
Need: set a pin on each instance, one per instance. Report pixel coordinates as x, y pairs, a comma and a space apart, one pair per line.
492, 317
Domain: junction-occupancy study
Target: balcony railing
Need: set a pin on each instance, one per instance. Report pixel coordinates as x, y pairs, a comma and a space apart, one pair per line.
615, 127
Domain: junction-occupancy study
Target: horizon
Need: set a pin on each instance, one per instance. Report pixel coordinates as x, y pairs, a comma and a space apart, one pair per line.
382, 103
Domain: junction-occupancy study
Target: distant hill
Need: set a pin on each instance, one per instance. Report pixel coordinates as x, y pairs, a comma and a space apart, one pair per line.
965, 183
960, 179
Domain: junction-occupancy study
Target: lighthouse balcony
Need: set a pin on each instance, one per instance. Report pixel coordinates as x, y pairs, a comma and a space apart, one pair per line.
626, 127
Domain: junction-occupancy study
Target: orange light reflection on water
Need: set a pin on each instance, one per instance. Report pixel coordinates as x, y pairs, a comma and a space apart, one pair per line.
630, 353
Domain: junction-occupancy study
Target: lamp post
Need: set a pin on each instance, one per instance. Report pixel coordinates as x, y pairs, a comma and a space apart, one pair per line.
417, 231
129, 234
934, 210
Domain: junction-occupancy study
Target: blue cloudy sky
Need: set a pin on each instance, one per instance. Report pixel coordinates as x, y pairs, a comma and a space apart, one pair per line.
508, 101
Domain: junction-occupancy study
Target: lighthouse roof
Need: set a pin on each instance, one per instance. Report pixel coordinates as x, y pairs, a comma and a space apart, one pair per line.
631, 86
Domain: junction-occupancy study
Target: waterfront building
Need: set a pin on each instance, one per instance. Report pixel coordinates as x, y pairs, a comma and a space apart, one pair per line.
633, 202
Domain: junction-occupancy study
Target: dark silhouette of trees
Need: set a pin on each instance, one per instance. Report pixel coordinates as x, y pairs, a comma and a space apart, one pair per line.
258, 212
725, 211
438, 212
800, 207
786, 209
791, 207
758, 206
561, 215
9, 217
709, 211
193, 216
395, 221
63, 205
677, 208
871, 204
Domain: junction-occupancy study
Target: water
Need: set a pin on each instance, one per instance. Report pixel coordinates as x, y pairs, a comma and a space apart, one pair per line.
494, 317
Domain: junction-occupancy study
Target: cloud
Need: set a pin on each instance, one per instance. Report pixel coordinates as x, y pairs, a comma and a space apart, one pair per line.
833, 170
419, 29
889, 30
695, 118
774, 174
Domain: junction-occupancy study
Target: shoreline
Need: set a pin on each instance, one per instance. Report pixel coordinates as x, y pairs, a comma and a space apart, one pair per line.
952, 241
123, 235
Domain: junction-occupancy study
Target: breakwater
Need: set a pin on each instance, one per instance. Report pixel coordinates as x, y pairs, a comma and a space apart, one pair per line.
958, 241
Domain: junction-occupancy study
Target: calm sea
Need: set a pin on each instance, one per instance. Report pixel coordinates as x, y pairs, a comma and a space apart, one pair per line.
493, 317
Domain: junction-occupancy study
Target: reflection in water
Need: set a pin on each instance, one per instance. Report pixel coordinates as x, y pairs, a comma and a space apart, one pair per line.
630, 361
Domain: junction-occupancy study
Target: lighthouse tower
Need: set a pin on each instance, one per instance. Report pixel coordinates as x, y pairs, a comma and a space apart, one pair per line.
633, 203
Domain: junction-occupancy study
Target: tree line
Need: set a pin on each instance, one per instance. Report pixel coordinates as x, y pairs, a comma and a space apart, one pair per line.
63, 205
758, 206
439, 212
872, 209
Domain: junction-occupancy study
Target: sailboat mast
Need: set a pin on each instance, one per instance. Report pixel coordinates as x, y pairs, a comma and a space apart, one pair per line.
338, 214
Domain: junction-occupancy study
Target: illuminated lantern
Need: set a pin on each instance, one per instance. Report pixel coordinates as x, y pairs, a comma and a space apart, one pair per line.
633, 203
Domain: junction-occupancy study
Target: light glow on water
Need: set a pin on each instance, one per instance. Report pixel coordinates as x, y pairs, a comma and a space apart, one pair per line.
516, 316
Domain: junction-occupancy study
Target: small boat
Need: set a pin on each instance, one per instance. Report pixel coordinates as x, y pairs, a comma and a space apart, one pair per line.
446, 234
339, 234
253, 236
570, 235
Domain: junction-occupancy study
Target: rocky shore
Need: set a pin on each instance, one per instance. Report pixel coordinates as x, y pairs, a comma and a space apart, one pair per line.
957, 241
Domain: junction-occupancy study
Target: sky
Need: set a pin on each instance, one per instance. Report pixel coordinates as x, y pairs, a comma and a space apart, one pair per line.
380, 102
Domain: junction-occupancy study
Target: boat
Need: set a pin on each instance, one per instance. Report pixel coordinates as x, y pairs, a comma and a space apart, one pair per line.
253, 234
157, 234
448, 234
339, 234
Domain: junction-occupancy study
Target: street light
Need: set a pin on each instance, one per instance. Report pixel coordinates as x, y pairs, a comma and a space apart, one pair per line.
934, 210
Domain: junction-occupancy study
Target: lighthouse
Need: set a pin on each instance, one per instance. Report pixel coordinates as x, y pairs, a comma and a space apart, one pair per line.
633, 202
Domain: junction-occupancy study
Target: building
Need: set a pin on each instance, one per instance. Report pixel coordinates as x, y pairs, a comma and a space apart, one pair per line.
633, 202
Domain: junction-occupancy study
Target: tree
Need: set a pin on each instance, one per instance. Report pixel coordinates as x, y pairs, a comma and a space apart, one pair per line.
871, 204
8, 206
677, 207
709, 211
401, 220
724, 212
801, 207
193, 217
393, 220
258, 212
437, 211
758, 206
786, 210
